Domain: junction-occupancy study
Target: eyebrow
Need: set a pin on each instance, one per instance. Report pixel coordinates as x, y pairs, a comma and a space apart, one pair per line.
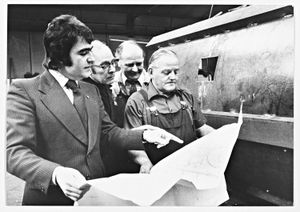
85, 49
170, 69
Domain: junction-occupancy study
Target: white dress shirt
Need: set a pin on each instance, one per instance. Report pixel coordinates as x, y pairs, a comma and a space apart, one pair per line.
62, 81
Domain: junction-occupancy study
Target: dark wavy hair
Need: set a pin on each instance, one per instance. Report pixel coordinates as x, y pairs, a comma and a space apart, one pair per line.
60, 36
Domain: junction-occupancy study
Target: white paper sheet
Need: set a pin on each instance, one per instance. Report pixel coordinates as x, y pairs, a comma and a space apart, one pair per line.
142, 189
202, 162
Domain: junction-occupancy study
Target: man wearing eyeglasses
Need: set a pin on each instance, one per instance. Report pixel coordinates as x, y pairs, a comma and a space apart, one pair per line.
130, 78
165, 105
103, 73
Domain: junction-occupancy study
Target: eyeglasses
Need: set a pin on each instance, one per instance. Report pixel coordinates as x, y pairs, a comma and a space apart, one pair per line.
107, 65
130, 65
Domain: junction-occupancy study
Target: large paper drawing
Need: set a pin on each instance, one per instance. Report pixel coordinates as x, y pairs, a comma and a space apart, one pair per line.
193, 175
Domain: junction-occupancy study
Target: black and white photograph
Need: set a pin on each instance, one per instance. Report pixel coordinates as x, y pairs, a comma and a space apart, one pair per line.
153, 104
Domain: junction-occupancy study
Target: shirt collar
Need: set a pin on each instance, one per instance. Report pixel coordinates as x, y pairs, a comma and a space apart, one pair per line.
60, 78
152, 92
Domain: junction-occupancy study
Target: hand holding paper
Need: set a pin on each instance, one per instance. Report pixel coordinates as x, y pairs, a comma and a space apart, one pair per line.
72, 182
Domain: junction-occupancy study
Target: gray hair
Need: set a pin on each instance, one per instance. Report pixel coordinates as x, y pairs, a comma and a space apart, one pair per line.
159, 53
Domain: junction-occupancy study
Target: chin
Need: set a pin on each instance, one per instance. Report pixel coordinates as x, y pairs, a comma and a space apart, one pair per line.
170, 88
134, 77
87, 74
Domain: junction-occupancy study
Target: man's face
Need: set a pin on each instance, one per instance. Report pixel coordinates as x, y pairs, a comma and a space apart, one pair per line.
82, 60
164, 73
131, 62
104, 66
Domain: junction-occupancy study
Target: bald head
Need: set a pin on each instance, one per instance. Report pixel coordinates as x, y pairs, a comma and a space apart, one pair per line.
101, 51
103, 70
131, 59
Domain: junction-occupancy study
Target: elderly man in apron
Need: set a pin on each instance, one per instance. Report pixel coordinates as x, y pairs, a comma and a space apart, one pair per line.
163, 104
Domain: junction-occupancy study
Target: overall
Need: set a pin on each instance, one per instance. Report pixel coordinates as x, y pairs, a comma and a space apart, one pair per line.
179, 123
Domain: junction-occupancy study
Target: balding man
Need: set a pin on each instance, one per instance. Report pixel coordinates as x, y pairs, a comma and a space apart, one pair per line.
131, 77
103, 73
116, 160
165, 105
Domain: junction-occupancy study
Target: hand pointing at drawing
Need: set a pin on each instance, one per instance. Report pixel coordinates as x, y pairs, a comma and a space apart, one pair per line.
157, 135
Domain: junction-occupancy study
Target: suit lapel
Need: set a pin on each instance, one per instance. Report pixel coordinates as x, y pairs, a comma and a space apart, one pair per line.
57, 102
93, 116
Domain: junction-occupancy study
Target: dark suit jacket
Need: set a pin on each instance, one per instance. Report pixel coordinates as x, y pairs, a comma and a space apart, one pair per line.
106, 95
44, 131
116, 160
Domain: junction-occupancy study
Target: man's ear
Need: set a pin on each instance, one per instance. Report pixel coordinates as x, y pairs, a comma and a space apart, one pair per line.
118, 68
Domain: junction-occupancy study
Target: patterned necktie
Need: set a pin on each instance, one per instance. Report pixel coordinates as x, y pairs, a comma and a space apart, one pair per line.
79, 102
131, 86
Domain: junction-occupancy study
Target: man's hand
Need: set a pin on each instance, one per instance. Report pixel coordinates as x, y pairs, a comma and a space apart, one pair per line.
146, 167
71, 182
140, 157
157, 135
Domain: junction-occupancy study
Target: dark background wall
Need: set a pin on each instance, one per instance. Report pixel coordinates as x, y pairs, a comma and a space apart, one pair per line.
110, 24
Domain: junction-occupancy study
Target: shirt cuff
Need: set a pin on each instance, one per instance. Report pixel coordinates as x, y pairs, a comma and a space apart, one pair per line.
54, 176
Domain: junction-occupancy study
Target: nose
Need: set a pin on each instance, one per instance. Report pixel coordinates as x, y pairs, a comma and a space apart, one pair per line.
112, 69
172, 75
91, 58
135, 68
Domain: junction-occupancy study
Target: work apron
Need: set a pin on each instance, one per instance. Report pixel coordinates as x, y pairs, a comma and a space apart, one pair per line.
179, 123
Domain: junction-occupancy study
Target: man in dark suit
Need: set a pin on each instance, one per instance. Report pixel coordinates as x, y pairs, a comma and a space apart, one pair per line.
55, 122
103, 74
